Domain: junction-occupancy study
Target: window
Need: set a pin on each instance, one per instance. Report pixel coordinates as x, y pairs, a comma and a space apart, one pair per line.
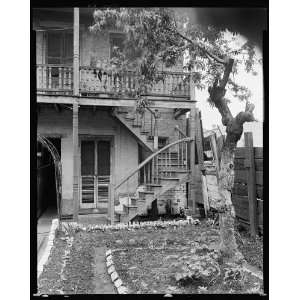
116, 40
60, 47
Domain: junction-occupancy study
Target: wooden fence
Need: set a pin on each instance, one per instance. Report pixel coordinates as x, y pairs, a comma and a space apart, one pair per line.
247, 194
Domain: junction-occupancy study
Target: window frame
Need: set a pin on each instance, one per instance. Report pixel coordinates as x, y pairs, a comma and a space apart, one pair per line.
62, 40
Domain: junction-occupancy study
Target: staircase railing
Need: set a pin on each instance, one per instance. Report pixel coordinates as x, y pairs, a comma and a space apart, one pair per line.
162, 163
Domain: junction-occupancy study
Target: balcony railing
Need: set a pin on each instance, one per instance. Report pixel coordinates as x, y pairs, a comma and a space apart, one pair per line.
55, 79
58, 79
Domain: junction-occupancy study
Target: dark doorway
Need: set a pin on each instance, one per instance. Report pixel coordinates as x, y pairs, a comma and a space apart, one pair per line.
46, 187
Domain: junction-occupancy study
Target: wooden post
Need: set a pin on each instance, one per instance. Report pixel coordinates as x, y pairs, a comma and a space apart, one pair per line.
112, 201
213, 140
199, 139
76, 52
192, 190
199, 145
75, 114
251, 183
155, 138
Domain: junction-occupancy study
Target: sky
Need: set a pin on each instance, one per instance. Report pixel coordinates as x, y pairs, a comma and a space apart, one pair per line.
211, 116
250, 23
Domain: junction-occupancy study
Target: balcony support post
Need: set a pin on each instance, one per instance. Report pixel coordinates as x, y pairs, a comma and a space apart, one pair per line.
155, 137
192, 134
75, 113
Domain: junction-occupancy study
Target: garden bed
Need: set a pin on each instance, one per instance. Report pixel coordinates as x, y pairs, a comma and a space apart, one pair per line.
146, 260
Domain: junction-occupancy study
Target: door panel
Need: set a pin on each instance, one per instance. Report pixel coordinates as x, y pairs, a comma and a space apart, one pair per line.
87, 158
87, 191
95, 174
87, 174
103, 158
103, 174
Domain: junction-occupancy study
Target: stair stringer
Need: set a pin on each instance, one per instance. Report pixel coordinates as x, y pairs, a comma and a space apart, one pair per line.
142, 139
182, 178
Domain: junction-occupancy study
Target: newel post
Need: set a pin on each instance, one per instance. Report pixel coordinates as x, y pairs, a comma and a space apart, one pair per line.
75, 113
155, 137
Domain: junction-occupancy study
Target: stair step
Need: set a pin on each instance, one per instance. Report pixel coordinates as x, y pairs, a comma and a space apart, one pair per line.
144, 132
129, 118
154, 184
117, 212
169, 178
137, 125
173, 170
174, 164
130, 206
146, 192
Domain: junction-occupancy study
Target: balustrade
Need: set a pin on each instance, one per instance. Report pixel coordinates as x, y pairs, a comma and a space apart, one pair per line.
54, 78
59, 78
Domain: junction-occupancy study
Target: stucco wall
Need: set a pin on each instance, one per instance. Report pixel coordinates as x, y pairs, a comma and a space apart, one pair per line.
125, 151
93, 46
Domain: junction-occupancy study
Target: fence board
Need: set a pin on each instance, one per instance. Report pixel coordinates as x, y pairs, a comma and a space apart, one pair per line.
241, 207
241, 176
259, 164
240, 200
260, 209
259, 191
240, 189
242, 213
241, 152
239, 164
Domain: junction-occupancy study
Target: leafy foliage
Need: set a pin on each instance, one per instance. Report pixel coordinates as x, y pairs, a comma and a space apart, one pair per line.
161, 38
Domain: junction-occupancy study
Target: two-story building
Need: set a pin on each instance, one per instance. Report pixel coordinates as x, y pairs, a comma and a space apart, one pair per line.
115, 161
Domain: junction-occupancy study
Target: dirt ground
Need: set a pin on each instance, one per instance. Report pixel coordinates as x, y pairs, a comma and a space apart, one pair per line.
146, 261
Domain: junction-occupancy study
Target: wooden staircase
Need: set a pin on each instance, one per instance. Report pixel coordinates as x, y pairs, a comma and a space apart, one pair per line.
136, 125
160, 172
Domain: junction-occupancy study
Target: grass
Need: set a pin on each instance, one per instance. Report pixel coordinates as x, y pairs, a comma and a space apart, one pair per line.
251, 248
144, 259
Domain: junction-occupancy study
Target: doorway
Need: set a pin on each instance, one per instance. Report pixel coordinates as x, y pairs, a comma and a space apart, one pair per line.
95, 173
46, 185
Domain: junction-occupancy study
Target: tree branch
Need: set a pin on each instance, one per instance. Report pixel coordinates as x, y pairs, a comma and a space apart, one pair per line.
247, 115
234, 128
205, 51
218, 91
227, 71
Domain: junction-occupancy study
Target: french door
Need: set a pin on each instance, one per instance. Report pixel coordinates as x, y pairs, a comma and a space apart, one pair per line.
95, 174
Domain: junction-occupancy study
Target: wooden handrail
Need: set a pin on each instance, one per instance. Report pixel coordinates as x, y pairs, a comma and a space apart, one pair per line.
133, 71
148, 159
102, 68
54, 66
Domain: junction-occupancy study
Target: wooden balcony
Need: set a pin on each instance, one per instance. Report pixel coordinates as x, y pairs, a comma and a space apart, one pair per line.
54, 79
99, 82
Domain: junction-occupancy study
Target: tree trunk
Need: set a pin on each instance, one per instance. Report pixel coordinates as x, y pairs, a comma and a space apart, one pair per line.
234, 130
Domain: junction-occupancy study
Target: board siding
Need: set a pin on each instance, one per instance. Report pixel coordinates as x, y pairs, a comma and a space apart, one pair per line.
240, 189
